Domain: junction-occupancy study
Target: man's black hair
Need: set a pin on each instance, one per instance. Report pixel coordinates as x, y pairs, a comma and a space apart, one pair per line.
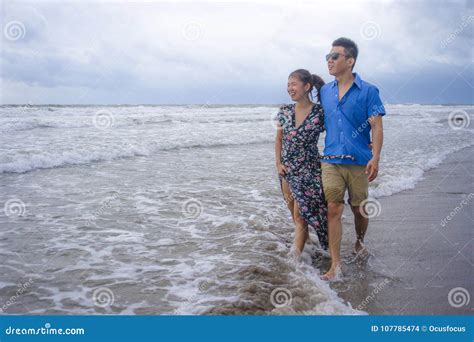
349, 46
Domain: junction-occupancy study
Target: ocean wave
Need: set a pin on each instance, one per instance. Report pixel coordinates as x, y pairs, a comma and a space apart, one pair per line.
407, 177
46, 160
11, 126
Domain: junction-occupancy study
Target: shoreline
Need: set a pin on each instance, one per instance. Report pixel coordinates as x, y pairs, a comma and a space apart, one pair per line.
417, 255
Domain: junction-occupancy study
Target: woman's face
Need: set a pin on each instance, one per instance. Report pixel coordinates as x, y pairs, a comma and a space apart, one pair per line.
297, 89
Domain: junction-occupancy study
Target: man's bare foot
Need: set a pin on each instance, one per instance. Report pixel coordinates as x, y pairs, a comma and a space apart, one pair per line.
358, 247
361, 253
334, 273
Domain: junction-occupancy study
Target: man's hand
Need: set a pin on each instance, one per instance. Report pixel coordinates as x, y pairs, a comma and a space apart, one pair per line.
372, 169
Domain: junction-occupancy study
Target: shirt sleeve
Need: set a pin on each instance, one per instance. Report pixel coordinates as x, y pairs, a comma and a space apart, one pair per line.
280, 117
374, 103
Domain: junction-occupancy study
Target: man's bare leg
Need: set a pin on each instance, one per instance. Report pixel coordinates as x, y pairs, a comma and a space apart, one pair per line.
361, 223
335, 234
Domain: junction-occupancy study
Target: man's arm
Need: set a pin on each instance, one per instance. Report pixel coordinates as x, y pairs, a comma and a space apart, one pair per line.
376, 125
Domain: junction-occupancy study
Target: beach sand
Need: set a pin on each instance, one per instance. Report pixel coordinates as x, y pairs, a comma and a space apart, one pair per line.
417, 257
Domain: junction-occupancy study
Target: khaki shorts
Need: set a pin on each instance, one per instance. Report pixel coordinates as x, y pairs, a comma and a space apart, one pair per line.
339, 177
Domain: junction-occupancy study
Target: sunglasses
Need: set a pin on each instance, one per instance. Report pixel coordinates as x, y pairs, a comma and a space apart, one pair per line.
335, 55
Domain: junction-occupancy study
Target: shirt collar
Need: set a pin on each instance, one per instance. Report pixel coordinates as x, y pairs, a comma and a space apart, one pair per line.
357, 81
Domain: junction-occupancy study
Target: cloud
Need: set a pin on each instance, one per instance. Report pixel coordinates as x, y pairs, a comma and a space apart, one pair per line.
140, 52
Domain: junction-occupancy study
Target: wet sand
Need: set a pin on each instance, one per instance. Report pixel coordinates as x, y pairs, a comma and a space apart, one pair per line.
417, 255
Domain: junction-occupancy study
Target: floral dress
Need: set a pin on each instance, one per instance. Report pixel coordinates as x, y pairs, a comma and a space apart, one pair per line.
300, 156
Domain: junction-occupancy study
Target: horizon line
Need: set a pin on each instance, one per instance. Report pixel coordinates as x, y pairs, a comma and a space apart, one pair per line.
204, 104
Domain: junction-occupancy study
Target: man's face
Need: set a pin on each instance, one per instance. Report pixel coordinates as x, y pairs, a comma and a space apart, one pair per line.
341, 64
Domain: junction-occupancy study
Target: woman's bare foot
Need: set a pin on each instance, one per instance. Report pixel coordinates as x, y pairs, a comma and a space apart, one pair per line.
334, 273
295, 254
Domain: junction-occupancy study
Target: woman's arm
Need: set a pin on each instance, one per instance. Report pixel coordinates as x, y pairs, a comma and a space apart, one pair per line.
280, 167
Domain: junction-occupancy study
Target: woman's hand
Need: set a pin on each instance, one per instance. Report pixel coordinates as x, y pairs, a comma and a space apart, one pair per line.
281, 169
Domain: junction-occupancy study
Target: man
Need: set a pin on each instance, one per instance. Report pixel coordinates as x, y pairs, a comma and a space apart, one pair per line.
352, 109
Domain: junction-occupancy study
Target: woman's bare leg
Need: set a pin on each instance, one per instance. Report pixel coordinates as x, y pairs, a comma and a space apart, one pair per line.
288, 196
301, 229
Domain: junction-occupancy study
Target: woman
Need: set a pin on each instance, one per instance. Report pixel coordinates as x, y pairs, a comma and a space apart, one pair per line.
297, 158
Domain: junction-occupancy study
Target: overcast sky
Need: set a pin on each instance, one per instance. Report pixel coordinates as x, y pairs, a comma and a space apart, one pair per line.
64, 52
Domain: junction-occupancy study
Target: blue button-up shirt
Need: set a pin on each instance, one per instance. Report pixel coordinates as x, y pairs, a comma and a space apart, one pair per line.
347, 125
